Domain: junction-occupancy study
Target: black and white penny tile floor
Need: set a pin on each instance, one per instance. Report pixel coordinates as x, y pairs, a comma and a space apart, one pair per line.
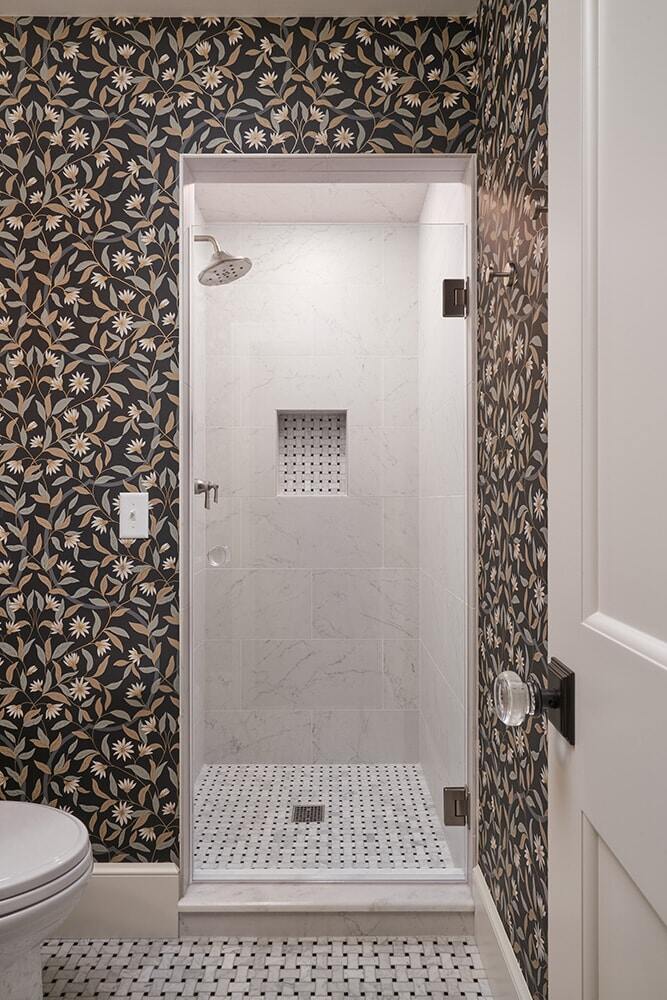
376, 817
317, 968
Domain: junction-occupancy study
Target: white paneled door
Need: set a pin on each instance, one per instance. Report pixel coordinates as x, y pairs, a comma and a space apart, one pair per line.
608, 497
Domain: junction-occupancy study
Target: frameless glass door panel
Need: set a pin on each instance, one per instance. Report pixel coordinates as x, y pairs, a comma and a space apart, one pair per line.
329, 668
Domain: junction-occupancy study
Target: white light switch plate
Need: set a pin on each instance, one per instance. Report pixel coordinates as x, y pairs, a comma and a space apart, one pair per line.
133, 511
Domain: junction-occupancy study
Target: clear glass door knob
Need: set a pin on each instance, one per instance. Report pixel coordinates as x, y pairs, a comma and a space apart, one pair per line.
514, 699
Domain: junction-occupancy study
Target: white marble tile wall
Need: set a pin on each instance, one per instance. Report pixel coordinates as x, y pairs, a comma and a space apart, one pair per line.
312, 622
442, 469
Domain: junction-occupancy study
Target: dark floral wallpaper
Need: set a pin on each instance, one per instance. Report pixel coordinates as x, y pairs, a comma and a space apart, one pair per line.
93, 116
512, 443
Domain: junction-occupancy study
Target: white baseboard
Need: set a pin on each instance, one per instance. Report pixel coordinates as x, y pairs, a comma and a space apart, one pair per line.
127, 901
498, 959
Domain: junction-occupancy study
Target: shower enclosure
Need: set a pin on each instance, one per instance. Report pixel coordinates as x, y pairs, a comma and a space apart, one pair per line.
329, 550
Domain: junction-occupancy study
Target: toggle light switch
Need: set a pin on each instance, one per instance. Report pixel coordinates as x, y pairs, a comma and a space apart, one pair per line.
133, 510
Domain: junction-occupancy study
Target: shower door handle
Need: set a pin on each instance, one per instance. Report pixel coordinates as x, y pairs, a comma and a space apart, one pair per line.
207, 488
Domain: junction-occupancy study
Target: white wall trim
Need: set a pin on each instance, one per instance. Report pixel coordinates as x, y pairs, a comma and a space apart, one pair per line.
127, 901
498, 959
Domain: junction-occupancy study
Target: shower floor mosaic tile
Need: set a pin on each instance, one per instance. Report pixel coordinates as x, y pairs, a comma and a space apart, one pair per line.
320, 969
376, 816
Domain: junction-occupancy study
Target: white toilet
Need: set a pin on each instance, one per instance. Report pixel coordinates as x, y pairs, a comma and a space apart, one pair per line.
45, 862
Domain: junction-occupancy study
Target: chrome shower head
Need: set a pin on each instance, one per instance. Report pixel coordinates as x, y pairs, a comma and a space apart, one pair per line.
223, 267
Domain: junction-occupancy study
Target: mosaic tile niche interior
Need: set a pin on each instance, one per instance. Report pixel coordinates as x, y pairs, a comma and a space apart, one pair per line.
328, 397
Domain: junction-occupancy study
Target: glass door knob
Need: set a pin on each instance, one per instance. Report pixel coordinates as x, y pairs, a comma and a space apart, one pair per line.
515, 699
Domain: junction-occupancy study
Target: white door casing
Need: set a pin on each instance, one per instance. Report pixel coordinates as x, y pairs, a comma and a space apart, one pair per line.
607, 497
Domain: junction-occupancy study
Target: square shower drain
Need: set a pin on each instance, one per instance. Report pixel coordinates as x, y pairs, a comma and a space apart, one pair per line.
308, 814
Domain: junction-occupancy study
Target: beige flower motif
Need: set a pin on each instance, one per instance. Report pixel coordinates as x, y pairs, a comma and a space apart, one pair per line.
79, 382
78, 138
255, 137
79, 627
387, 79
123, 568
122, 813
343, 138
123, 749
80, 689
79, 445
211, 78
79, 201
122, 260
122, 323
122, 78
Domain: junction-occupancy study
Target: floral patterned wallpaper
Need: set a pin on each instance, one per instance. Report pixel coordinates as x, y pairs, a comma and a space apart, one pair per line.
512, 448
93, 116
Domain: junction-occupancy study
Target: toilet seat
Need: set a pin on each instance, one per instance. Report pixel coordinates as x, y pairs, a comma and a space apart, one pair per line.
42, 852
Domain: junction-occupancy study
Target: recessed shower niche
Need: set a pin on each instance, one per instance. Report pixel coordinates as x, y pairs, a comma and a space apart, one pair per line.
328, 648
312, 453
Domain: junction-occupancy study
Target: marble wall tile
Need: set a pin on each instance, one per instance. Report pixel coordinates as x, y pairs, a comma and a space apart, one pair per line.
216, 325
289, 333
401, 259
313, 255
268, 320
360, 737
198, 607
243, 460
400, 392
198, 705
269, 384
442, 387
258, 737
383, 461
222, 672
223, 530
442, 524
442, 630
400, 669
312, 531
312, 674
444, 716
223, 391
257, 603
401, 532
367, 321
365, 604
198, 536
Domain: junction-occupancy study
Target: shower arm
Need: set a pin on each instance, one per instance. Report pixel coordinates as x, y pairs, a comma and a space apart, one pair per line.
208, 239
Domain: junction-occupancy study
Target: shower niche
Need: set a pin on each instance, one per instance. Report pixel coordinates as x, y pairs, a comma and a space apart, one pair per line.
328, 641
312, 453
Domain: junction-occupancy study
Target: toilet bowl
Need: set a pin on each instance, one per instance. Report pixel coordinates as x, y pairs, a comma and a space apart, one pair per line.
45, 862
